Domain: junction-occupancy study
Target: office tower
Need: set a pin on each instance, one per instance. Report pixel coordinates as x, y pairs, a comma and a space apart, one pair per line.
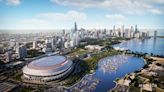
24, 51
122, 31
12, 43
155, 33
143, 34
72, 43
63, 32
75, 25
53, 43
34, 44
131, 28
74, 40
136, 30
119, 33
127, 33
131, 31
48, 46
77, 40
113, 31
147, 34
48, 43
114, 28
66, 44
8, 56
137, 35
21, 51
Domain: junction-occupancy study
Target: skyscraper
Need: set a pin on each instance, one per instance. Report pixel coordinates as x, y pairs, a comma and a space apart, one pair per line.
131, 32
63, 33
114, 28
34, 44
53, 43
136, 30
8, 56
48, 45
147, 33
114, 31
155, 33
21, 51
75, 27
122, 31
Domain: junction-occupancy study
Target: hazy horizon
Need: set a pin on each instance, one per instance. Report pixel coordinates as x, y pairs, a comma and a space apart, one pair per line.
61, 14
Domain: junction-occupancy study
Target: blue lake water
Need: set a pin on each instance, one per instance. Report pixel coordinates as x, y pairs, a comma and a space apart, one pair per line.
155, 46
107, 76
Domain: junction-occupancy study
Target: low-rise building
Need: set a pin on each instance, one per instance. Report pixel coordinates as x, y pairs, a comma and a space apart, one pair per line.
94, 47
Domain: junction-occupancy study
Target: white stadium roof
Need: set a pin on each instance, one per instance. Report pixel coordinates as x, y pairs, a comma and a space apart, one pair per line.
48, 66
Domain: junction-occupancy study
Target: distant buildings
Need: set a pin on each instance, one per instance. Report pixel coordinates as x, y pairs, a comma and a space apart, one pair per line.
8, 56
155, 34
94, 47
66, 44
48, 46
21, 51
137, 35
73, 38
53, 43
75, 27
34, 44
65, 39
136, 30
128, 32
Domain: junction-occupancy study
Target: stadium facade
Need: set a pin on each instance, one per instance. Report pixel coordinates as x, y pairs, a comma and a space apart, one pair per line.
47, 69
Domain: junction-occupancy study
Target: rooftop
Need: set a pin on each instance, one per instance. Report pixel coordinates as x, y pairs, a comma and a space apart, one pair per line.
48, 62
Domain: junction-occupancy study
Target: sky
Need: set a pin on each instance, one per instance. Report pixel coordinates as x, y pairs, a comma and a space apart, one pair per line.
89, 14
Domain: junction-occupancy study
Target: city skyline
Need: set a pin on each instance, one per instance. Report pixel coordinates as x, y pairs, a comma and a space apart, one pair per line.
81, 45
60, 14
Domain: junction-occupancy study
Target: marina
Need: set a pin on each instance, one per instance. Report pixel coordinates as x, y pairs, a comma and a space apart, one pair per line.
124, 65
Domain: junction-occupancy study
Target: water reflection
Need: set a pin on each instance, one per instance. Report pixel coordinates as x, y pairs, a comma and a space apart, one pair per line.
154, 44
113, 67
111, 64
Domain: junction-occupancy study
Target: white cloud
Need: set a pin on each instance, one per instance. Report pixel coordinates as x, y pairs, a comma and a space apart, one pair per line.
78, 3
116, 17
123, 6
157, 1
13, 2
54, 20
156, 11
69, 16
36, 22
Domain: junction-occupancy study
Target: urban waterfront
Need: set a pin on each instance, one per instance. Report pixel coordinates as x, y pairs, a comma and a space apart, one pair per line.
125, 64
81, 46
152, 45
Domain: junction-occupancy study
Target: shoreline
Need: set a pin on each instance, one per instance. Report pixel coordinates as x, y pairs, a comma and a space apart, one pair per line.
156, 58
144, 60
116, 82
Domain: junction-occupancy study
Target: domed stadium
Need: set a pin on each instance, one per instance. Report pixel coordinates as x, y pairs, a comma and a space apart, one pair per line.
47, 69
